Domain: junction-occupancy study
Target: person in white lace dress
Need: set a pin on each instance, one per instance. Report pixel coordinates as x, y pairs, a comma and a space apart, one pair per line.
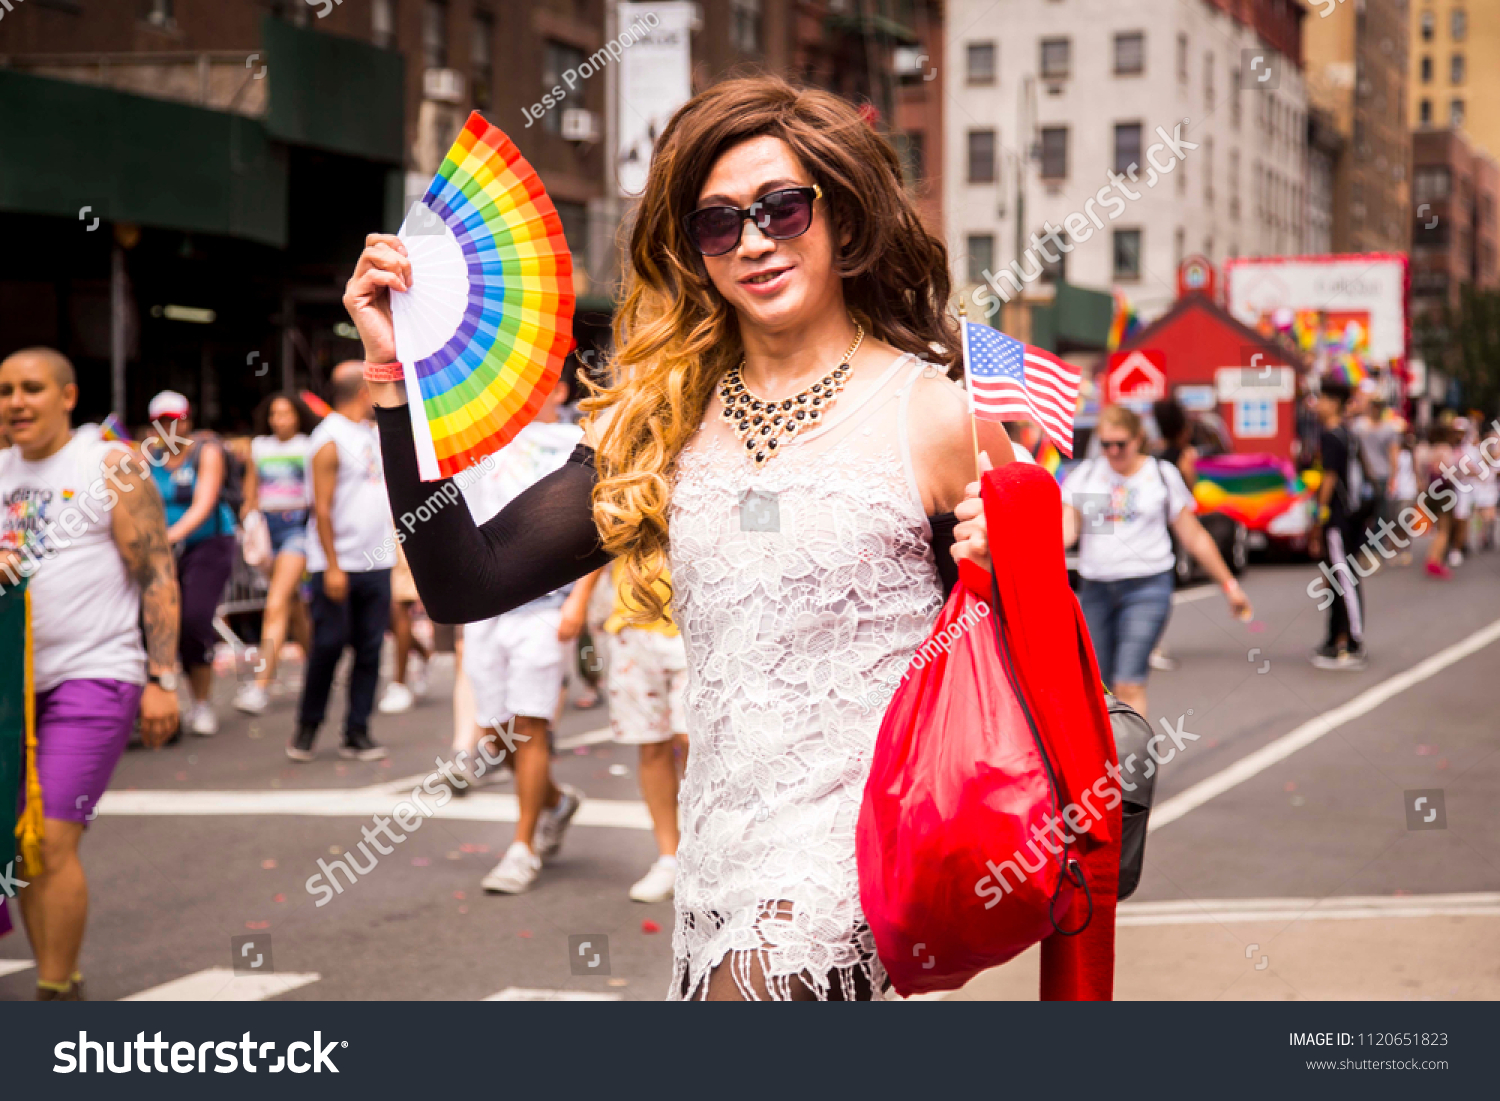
804, 573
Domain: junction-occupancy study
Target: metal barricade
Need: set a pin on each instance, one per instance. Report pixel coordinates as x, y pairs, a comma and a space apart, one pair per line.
245, 592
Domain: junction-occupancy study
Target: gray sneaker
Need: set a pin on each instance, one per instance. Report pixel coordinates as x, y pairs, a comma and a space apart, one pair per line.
553, 822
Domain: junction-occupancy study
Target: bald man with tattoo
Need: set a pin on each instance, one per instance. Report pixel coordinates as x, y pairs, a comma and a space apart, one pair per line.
80, 517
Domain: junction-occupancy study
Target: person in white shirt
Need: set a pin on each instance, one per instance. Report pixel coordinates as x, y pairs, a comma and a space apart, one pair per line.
80, 518
1123, 508
349, 535
276, 485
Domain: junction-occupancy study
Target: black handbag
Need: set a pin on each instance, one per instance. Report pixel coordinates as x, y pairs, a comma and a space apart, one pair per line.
1132, 732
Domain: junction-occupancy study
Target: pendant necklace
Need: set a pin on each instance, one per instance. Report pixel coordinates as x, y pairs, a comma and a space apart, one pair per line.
765, 427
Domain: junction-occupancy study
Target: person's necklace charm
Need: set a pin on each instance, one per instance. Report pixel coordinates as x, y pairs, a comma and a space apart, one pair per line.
765, 427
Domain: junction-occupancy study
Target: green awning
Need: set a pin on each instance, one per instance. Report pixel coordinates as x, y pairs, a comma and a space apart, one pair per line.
65, 146
334, 93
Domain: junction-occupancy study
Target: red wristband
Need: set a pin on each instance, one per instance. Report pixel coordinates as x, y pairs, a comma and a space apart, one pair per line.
384, 372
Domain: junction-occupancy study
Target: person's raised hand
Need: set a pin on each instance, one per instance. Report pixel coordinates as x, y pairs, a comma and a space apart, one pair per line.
383, 267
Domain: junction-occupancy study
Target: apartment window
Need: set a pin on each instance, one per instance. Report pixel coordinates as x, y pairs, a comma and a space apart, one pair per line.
383, 23
1456, 69
1426, 68
981, 62
1182, 57
1127, 254
1208, 79
1127, 146
1234, 96
1056, 58
1429, 21
435, 34
557, 59
745, 26
1054, 152
1424, 112
1054, 271
1456, 113
1208, 171
1130, 53
1234, 184
1459, 27
1179, 246
1430, 184
981, 249
981, 156
481, 58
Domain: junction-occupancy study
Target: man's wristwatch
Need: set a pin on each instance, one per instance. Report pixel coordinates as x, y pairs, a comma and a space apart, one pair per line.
165, 681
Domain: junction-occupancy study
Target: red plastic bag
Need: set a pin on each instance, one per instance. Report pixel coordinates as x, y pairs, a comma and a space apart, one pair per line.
958, 790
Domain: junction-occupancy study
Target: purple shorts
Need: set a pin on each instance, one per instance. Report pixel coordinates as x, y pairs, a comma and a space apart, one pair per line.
82, 727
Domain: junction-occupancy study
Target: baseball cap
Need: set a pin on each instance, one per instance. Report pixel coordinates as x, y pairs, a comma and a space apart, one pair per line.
167, 405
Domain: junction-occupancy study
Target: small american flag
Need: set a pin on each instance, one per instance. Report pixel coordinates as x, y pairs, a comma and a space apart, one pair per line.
1011, 381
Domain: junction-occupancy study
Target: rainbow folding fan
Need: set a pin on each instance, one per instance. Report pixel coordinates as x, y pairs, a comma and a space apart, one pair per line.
488, 321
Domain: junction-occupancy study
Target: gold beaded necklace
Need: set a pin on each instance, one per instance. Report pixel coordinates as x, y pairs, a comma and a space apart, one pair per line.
764, 426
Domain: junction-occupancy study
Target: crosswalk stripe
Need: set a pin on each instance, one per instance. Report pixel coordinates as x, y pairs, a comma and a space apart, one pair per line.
1254, 764
1346, 908
220, 984
587, 738
528, 994
10, 967
629, 814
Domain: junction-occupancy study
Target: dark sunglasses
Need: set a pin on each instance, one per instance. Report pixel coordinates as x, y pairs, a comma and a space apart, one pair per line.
1114, 445
780, 215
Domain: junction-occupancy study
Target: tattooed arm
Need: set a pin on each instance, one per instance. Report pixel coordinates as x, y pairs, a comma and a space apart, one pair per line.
140, 530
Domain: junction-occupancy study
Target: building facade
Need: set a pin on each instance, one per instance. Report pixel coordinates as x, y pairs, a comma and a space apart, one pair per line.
1356, 61
1455, 238
1454, 69
1127, 137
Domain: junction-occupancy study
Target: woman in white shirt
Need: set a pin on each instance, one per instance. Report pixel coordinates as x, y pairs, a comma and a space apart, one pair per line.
1125, 506
276, 483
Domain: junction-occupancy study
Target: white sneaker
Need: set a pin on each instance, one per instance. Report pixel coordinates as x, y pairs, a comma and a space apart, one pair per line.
202, 721
1159, 661
397, 699
658, 882
1455, 559
251, 698
417, 676
553, 822
516, 871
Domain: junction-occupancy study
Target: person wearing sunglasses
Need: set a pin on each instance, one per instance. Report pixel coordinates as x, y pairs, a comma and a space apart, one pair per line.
782, 434
1123, 509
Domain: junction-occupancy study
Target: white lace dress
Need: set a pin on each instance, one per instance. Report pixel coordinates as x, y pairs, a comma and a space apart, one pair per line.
800, 607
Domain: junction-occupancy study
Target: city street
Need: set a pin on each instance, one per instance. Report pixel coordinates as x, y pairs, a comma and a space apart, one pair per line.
1276, 869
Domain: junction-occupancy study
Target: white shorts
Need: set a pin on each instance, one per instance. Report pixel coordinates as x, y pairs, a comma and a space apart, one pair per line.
1486, 492
1463, 508
514, 664
646, 686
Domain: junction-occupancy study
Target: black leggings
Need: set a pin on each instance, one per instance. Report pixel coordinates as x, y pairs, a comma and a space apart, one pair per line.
202, 572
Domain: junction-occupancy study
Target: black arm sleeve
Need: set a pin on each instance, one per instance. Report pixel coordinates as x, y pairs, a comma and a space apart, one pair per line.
942, 550
540, 541
466, 572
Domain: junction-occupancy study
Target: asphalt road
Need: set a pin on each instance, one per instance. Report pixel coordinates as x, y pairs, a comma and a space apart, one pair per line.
1279, 869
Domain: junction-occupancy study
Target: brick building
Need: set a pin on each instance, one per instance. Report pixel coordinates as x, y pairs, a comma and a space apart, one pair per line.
1455, 239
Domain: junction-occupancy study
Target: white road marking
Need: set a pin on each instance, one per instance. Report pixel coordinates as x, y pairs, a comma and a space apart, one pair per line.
1310, 731
1187, 596
1228, 911
357, 803
10, 967
220, 984
527, 994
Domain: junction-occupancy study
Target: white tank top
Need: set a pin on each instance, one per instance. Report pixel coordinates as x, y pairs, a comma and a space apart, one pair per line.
85, 608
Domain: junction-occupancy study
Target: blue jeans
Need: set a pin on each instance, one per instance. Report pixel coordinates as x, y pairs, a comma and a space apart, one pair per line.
1126, 618
359, 622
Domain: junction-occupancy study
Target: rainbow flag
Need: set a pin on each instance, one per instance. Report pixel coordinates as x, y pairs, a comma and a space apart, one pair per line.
1125, 324
112, 428
1253, 489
